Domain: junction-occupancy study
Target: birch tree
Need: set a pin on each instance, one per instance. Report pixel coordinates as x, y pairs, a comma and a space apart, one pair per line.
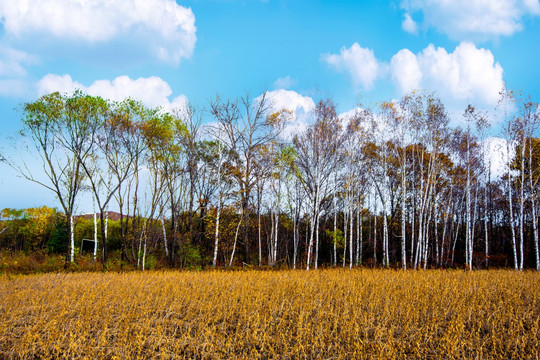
245, 129
319, 153
59, 135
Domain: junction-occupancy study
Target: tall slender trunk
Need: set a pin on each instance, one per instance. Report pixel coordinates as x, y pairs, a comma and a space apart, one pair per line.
317, 242
270, 242
139, 251
310, 245
522, 204
386, 259
436, 233
486, 232
473, 228
95, 228
276, 232
72, 239
375, 235
511, 207
335, 224
384, 201
145, 238
443, 240
135, 219
454, 244
533, 207
351, 228
359, 236
235, 240
413, 219
259, 234
403, 215
345, 228
218, 211
295, 239
426, 237
468, 240
216, 237
164, 236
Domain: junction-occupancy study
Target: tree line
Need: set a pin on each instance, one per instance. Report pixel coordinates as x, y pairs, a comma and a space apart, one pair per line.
393, 186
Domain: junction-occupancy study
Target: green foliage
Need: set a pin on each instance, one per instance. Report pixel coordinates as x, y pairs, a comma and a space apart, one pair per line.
150, 262
190, 256
336, 237
28, 229
59, 237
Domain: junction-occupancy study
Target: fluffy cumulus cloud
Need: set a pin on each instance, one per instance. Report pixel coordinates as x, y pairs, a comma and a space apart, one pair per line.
299, 105
152, 91
409, 25
468, 73
406, 71
167, 28
359, 62
472, 19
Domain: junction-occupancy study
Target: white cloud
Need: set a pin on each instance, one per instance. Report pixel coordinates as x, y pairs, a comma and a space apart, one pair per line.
163, 26
290, 100
468, 73
470, 19
152, 91
300, 106
409, 25
285, 82
13, 75
359, 62
406, 71
61, 83
12, 61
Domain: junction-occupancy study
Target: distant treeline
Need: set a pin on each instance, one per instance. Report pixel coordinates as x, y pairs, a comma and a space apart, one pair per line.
394, 186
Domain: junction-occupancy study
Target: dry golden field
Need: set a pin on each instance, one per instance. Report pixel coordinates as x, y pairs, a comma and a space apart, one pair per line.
325, 314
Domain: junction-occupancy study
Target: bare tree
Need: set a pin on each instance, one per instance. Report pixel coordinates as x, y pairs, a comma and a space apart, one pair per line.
245, 128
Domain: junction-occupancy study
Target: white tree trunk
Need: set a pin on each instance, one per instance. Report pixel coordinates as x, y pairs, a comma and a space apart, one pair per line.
310, 245
218, 211
216, 237
335, 224
522, 205
486, 233
295, 240
351, 228
144, 250
533, 207
72, 240
317, 243
359, 239
345, 228
375, 235
276, 232
511, 208
95, 229
164, 236
468, 238
106, 227
235, 240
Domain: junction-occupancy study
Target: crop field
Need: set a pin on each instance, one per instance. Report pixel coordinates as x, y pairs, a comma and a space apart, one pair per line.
325, 314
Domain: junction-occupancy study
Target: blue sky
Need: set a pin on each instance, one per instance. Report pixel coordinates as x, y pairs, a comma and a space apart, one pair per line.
166, 52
